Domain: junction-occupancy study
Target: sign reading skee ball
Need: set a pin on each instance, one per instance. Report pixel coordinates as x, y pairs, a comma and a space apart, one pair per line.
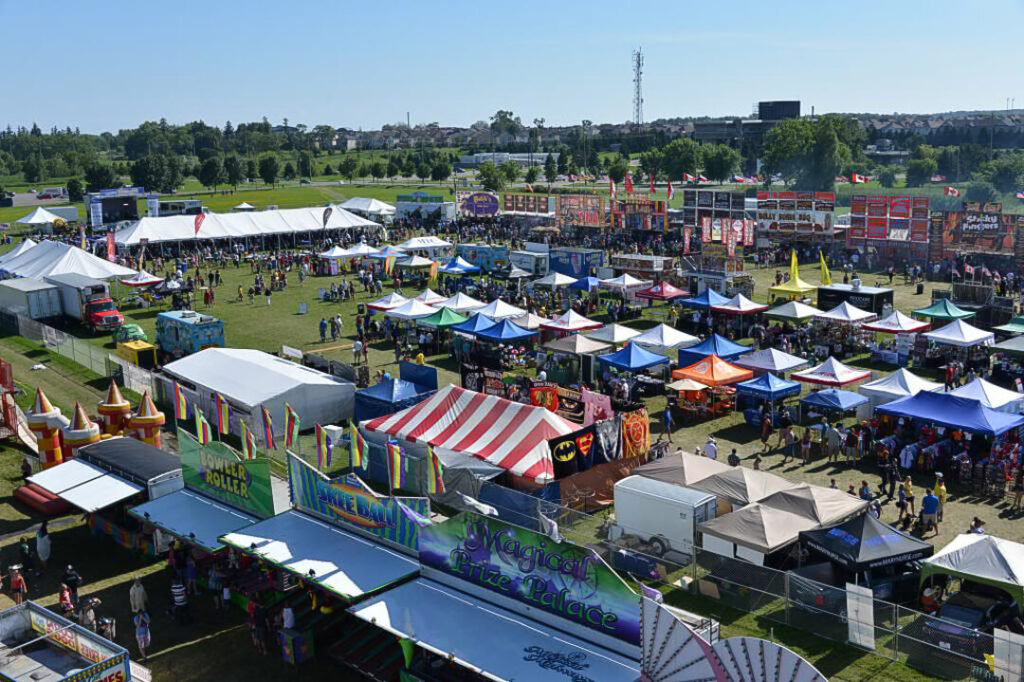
673, 652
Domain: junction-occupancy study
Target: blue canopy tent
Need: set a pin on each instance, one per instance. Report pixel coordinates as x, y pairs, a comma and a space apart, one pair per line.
704, 300
388, 397
458, 266
953, 412
769, 387
715, 345
632, 358
473, 325
834, 399
585, 284
504, 332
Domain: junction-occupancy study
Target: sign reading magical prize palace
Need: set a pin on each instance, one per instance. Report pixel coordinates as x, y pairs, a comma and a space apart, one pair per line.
561, 578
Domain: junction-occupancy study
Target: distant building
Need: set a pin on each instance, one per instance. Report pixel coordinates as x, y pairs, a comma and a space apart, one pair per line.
735, 131
778, 110
525, 159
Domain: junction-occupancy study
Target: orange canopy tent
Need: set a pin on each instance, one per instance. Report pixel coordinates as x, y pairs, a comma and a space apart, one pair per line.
713, 371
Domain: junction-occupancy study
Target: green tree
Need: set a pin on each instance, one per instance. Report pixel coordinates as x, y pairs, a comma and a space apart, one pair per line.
681, 155
981, 191
305, 165
720, 161
232, 170
510, 169
289, 171
422, 170
564, 157
550, 168
828, 155
76, 190
348, 167
32, 169
786, 148
491, 177
617, 170
920, 171
532, 173
269, 168
378, 169
211, 173
328, 169
887, 177
174, 174
251, 170
440, 171
1005, 173
99, 176
394, 169
150, 171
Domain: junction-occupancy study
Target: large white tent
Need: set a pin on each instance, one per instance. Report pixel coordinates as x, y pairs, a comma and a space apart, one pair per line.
831, 373
959, 333
410, 310
56, 258
250, 378
40, 216
570, 321
990, 395
21, 248
368, 205
181, 228
899, 384
793, 310
624, 282
429, 244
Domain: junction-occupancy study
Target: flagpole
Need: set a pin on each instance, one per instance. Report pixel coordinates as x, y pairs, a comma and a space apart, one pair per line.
387, 452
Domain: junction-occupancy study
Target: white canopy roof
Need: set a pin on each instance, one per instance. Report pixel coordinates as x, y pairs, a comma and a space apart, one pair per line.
739, 304
334, 252
794, 310
985, 556
897, 323
554, 280
570, 321
625, 281
180, 228
461, 303
577, 344
141, 279
614, 333
499, 310
831, 373
40, 216
990, 395
57, 258
368, 205
21, 248
770, 360
430, 297
360, 250
899, 384
664, 338
844, 312
415, 262
411, 310
959, 333
424, 243
392, 300
245, 206
529, 321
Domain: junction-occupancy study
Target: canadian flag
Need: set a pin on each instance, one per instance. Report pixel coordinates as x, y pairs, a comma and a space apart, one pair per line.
739, 179
611, 189
952, 192
702, 178
629, 183
653, 191
198, 223
688, 178
670, 192
858, 179
968, 270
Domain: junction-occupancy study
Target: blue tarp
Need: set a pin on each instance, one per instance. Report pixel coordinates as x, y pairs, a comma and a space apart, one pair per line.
952, 411
505, 331
194, 517
388, 397
458, 266
769, 387
704, 300
585, 284
835, 399
473, 325
632, 358
424, 375
715, 345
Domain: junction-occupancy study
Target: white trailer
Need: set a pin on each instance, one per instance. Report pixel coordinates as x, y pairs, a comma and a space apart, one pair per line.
30, 297
664, 515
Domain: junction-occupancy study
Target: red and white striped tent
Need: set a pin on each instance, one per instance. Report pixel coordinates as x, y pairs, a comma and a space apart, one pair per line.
507, 434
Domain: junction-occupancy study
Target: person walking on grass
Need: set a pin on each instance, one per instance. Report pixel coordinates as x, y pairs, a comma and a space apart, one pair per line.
805, 447
930, 511
323, 330
835, 442
940, 492
19, 588
142, 632
667, 418
766, 431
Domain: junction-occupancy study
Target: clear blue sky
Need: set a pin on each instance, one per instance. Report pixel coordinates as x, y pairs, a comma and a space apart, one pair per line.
109, 64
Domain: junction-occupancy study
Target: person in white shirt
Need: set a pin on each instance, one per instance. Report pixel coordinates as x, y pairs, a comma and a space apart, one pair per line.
711, 448
287, 618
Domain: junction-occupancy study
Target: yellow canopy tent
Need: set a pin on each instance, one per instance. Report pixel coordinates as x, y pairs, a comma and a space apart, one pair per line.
795, 287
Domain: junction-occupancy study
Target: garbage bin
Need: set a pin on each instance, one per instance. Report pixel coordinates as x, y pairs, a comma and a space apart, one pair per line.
920, 288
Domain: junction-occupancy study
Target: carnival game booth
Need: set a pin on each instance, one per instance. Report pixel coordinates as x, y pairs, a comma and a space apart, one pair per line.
40, 645
955, 341
343, 542
249, 379
717, 374
873, 299
106, 478
716, 345
868, 552
632, 362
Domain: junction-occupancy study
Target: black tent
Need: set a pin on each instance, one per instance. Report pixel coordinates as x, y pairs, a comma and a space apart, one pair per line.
864, 543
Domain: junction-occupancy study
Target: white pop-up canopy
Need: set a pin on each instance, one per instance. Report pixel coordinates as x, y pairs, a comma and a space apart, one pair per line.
334, 253
410, 310
844, 312
499, 310
794, 310
623, 282
392, 300
424, 243
529, 321
739, 305
664, 338
570, 321
368, 205
770, 360
245, 206
899, 384
555, 280
959, 333
40, 216
831, 373
414, 262
430, 297
57, 258
461, 303
990, 395
360, 250
182, 228
897, 323
614, 333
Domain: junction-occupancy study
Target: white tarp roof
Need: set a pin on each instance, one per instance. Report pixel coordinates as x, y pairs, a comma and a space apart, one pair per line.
392, 300
794, 310
899, 384
985, 556
40, 216
360, 250
739, 304
21, 248
56, 258
190, 515
555, 279
897, 323
959, 333
367, 205
181, 228
844, 312
614, 333
84, 485
252, 378
424, 243
570, 321
498, 310
244, 206
334, 252
411, 310
990, 395
461, 303
770, 360
831, 373
430, 297
529, 321
663, 338
415, 262
624, 281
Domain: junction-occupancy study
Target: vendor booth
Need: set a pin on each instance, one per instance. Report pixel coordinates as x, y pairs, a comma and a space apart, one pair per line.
499, 310
461, 303
953, 412
983, 559
664, 339
831, 373
459, 266
956, 341
897, 323
392, 300
615, 334
739, 486
767, 388
662, 291
794, 311
739, 305
831, 401
844, 313
1014, 326
991, 396
572, 359
570, 322
410, 310
682, 469
634, 360
899, 384
794, 287
753, 532
770, 360
944, 310
717, 374
704, 300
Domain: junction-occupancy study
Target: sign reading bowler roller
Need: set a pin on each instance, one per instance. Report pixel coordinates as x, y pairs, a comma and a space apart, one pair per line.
561, 578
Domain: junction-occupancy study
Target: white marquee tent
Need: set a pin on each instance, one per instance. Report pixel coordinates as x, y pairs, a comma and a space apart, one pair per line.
844, 312
181, 228
498, 310
461, 303
959, 333
990, 395
899, 384
40, 216
56, 258
21, 248
368, 205
614, 333
664, 339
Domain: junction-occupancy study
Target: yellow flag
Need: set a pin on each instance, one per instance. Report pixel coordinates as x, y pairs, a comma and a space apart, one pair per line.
794, 273
826, 276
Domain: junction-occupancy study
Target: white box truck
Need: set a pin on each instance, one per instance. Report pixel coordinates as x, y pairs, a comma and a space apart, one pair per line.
30, 297
87, 300
663, 515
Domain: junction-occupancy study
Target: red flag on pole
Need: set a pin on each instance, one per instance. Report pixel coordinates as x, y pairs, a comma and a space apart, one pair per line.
688, 178
200, 217
952, 192
858, 179
629, 183
653, 191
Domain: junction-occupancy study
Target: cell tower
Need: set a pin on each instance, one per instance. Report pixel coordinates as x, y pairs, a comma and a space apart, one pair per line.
638, 88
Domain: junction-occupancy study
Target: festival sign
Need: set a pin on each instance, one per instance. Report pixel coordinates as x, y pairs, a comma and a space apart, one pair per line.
898, 218
561, 578
477, 204
713, 204
525, 203
638, 213
977, 229
349, 500
108, 664
580, 209
796, 212
214, 470
570, 405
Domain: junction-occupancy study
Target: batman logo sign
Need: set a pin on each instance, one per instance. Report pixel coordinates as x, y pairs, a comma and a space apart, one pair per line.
564, 451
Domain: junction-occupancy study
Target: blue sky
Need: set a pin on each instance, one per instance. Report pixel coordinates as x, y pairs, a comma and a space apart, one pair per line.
112, 64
